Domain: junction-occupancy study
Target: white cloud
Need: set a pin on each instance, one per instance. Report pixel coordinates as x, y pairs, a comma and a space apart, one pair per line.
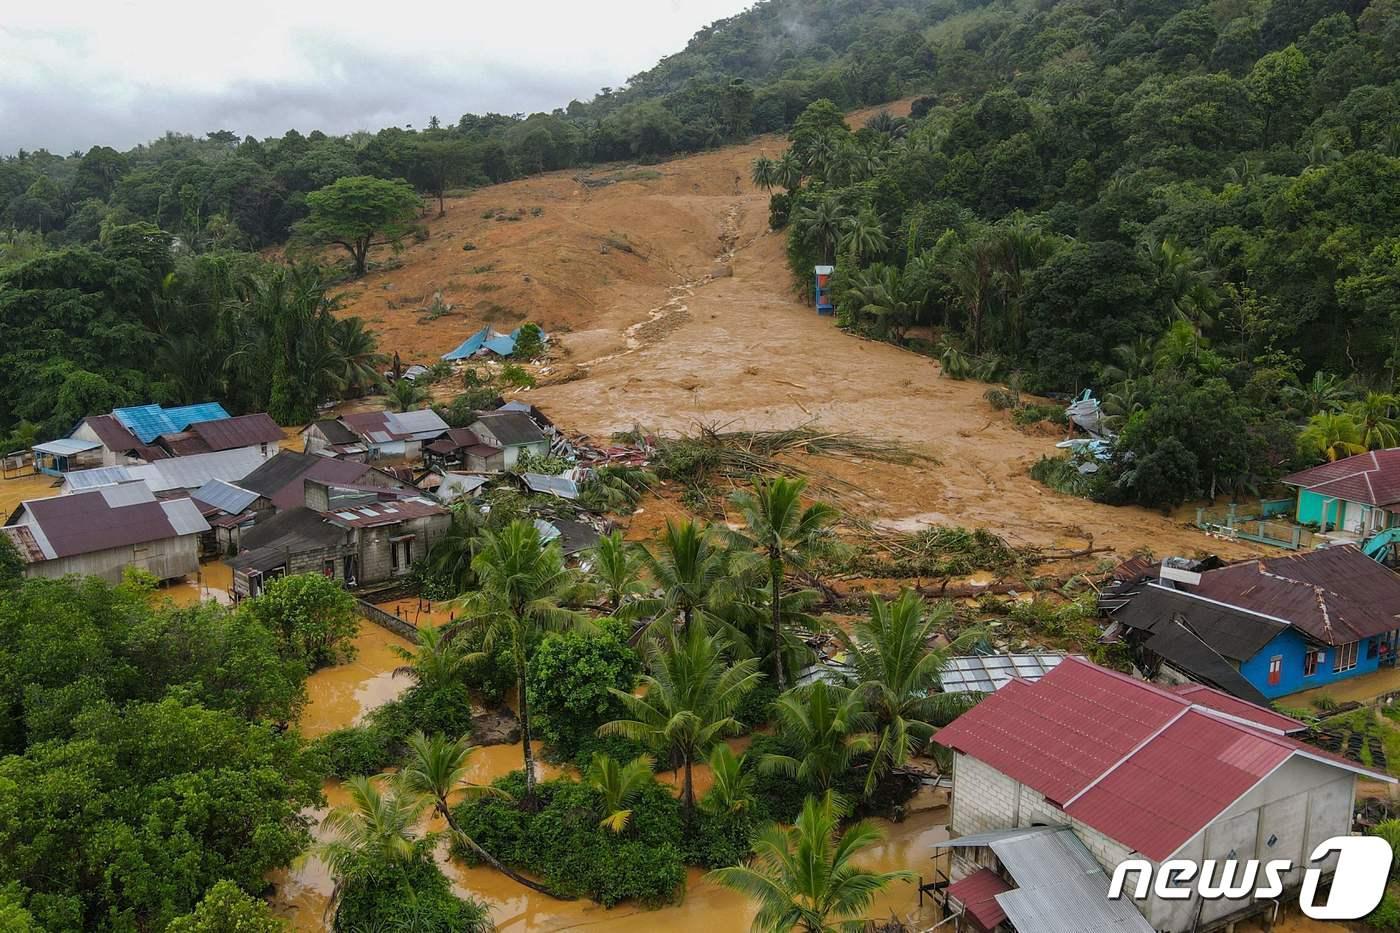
86, 72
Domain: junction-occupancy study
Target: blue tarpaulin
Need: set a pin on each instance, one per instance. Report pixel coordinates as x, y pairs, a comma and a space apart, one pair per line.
469, 346
486, 339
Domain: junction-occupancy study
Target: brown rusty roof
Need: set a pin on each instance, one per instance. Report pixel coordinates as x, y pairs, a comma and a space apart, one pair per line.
374, 514
1372, 478
112, 433
242, 431
23, 540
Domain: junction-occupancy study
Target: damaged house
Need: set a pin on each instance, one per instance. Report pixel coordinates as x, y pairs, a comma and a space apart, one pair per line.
511, 432
1260, 629
1056, 783
395, 434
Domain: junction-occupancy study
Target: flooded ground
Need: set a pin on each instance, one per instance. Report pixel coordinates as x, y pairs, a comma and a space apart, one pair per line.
214, 581
342, 695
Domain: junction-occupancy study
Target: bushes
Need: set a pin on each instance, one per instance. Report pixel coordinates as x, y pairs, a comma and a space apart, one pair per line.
407, 895
356, 750
313, 618
1386, 917
564, 845
568, 680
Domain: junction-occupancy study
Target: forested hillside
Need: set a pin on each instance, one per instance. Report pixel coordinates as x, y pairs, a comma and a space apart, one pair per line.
1190, 206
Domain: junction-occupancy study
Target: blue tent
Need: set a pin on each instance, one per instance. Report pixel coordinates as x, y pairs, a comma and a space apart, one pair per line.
468, 347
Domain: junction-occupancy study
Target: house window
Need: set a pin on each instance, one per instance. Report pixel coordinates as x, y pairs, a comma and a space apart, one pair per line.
328, 569
401, 554
264, 448
1345, 659
1311, 660
1275, 669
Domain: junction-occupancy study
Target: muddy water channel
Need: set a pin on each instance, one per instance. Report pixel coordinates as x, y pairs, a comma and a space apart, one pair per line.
341, 696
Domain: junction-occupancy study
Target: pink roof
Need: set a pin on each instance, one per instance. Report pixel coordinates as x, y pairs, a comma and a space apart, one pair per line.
1219, 700
1147, 766
978, 895
1372, 478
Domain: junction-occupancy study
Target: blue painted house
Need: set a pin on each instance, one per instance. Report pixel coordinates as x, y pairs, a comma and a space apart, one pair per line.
1262, 629
1357, 495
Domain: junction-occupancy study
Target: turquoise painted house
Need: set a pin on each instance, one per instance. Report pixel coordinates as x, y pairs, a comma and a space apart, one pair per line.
1357, 495
1262, 629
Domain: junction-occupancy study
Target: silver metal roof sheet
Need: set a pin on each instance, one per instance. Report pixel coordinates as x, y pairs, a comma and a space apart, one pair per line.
194, 471
547, 531
91, 479
560, 486
129, 493
224, 496
990, 672
66, 446
423, 421
184, 516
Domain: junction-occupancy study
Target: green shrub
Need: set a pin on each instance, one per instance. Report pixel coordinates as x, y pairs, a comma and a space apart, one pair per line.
564, 844
409, 895
1386, 916
513, 374
529, 343
569, 677
356, 750
714, 840
756, 708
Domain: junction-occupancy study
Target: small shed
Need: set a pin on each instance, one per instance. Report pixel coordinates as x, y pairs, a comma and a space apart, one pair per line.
821, 290
61, 456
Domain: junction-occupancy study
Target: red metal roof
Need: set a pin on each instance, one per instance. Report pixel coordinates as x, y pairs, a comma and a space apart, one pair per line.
1334, 595
112, 433
978, 895
374, 514
1372, 478
1146, 766
242, 431
184, 443
1203, 695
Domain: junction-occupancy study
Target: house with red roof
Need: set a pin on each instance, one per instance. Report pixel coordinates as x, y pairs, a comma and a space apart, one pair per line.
1129, 770
1358, 495
1264, 628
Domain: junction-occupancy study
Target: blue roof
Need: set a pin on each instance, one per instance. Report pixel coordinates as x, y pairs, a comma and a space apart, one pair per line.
501, 345
148, 422
469, 346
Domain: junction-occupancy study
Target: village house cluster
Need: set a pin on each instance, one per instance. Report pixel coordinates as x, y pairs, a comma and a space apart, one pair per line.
1062, 771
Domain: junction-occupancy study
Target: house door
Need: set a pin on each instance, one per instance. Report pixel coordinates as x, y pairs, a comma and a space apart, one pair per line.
1275, 669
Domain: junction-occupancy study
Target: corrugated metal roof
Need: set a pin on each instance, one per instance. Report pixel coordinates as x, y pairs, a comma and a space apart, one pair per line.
22, 537
85, 522
501, 345
987, 673
243, 431
978, 895
374, 514
79, 480
455, 485
224, 496
1060, 888
1202, 695
1145, 766
129, 493
511, 428
148, 422
420, 424
112, 433
560, 486
194, 471
66, 446
547, 531
469, 346
184, 516
1372, 478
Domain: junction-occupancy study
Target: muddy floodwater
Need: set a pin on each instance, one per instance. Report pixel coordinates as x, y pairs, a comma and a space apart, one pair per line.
343, 695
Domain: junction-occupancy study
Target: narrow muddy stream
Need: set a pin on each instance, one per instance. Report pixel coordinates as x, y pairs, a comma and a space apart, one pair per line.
342, 696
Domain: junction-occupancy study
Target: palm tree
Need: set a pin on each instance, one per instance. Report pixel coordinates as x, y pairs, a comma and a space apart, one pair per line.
407, 395
879, 293
887, 124
820, 225
786, 535
788, 171
358, 350
378, 827
436, 662
897, 676
617, 571
828, 726
805, 878
691, 570
451, 556
1324, 392
1020, 247
863, 234
523, 585
619, 785
436, 769
1332, 436
731, 784
1185, 279
970, 265
616, 488
1375, 422
688, 701
765, 173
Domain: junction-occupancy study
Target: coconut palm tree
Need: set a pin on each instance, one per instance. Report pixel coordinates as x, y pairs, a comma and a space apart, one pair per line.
691, 569
1375, 420
616, 488
437, 769
828, 726
619, 785
788, 171
887, 124
378, 827
436, 662
863, 234
897, 676
879, 293
970, 266
1332, 436
805, 878
406, 395
617, 571
820, 225
450, 557
785, 534
523, 588
688, 700
765, 173
731, 784
358, 350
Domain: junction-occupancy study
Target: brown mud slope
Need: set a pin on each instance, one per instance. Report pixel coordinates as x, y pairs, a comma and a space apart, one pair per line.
674, 306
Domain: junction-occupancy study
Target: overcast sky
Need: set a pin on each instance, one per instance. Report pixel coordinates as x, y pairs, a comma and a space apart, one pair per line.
75, 73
